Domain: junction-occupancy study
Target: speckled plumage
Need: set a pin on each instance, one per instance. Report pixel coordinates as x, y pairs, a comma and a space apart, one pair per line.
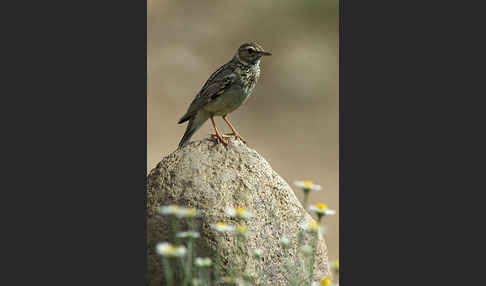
225, 90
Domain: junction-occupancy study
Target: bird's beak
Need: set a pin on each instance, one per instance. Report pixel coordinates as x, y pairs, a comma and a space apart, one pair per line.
265, 53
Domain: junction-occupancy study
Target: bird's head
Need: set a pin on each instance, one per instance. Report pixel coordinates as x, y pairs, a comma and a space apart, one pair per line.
251, 53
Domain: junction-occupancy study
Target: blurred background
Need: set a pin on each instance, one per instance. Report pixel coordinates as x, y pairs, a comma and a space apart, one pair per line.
292, 118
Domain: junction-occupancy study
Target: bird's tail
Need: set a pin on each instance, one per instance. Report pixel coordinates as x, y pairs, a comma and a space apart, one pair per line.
195, 123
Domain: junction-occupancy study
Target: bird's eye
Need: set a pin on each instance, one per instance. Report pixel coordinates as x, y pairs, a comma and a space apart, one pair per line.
251, 50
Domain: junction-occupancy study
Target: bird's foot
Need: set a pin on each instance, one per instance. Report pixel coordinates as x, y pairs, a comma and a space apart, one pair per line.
236, 135
216, 136
220, 138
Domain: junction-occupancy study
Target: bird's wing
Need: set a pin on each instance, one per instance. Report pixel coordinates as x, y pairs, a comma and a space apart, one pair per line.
216, 85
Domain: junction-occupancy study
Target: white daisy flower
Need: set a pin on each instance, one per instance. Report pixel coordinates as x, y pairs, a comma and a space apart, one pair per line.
307, 186
239, 212
186, 234
180, 251
326, 281
169, 210
179, 212
203, 261
186, 212
321, 209
312, 226
165, 248
242, 229
223, 227
168, 250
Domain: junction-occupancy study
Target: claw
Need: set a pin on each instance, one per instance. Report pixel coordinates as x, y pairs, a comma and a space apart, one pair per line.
220, 138
236, 135
216, 135
233, 129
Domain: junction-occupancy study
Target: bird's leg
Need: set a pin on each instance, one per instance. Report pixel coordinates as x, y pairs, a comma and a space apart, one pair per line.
234, 131
222, 135
217, 135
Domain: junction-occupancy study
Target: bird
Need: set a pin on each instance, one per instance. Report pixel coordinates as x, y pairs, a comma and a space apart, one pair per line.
225, 90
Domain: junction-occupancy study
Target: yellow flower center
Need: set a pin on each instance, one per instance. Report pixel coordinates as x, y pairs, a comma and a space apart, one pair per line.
314, 225
308, 184
325, 281
242, 228
221, 224
321, 206
171, 249
240, 210
228, 279
191, 212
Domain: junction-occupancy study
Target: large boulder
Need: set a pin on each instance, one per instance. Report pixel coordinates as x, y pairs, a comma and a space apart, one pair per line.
212, 178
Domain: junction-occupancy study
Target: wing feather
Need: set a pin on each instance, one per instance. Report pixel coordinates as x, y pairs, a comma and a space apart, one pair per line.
215, 86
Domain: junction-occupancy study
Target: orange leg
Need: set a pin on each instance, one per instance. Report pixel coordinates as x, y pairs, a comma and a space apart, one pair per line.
234, 131
222, 135
217, 135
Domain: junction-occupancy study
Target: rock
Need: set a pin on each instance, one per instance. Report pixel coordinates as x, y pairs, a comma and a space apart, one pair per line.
213, 178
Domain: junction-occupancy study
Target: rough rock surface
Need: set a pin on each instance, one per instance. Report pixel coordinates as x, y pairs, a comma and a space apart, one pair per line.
212, 178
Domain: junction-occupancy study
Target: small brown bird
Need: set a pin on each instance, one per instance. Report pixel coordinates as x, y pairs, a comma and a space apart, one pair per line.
225, 90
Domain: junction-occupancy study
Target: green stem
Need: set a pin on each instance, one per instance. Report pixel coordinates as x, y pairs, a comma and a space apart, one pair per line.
175, 229
191, 245
234, 265
167, 271
312, 259
306, 198
299, 264
182, 265
290, 271
190, 253
188, 268
258, 272
204, 276
240, 244
217, 259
